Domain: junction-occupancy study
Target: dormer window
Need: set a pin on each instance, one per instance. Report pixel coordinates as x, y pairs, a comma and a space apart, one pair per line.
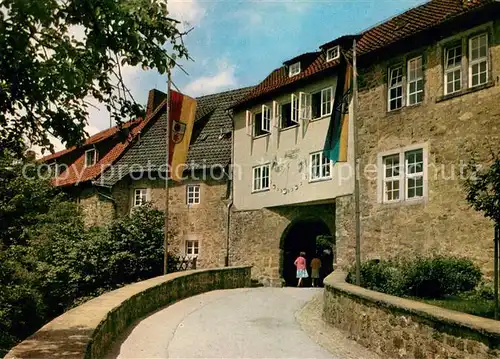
333, 53
90, 157
294, 69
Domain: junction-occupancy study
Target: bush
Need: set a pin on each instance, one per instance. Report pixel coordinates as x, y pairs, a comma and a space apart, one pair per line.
434, 277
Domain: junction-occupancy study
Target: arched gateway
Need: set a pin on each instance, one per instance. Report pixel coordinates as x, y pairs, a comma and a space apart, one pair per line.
312, 236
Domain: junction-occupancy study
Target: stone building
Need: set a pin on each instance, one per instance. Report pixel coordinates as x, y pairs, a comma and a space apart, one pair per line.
429, 102
128, 174
291, 161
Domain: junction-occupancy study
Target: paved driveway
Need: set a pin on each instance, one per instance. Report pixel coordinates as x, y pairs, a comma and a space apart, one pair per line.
240, 323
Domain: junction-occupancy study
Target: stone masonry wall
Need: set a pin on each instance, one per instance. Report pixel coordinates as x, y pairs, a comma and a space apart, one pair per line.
400, 328
256, 237
95, 208
455, 129
205, 222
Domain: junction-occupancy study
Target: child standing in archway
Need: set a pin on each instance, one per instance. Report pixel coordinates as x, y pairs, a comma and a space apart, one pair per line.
301, 265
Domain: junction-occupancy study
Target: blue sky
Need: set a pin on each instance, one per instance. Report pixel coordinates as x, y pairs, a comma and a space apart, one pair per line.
238, 43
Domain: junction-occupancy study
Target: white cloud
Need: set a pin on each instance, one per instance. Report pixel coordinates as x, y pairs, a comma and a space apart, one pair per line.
188, 12
224, 79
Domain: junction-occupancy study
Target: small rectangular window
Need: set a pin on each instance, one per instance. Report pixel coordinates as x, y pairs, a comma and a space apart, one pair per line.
295, 108
258, 125
261, 178
414, 174
294, 69
320, 166
326, 101
391, 178
140, 196
415, 84
332, 53
193, 194
286, 116
478, 60
90, 157
453, 70
192, 248
395, 88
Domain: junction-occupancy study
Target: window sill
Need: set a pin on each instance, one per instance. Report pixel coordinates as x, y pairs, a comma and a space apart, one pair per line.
466, 91
401, 109
260, 190
407, 202
320, 118
289, 127
322, 179
262, 136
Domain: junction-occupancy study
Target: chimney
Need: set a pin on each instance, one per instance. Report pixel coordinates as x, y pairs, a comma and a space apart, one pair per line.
155, 98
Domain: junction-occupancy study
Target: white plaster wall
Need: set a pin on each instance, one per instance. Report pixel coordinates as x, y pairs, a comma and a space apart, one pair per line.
289, 151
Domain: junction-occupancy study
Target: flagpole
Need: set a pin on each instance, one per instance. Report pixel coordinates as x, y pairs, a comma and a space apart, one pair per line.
356, 166
167, 160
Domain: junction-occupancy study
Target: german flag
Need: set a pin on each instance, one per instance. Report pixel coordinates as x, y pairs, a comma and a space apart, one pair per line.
181, 117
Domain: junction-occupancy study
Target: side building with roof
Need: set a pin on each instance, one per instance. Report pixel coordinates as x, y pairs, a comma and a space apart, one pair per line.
126, 172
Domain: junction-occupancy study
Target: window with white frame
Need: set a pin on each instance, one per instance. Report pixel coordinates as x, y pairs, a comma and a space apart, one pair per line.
321, 103
453, 70
295, 108
192, 248
333, 53
466, 66
395, 95
294, 69
415, 85
403, 175
193, 194
261, 178
140, 196
320, 166
266, 119
90, 157
478, 60
391, 178
414, 174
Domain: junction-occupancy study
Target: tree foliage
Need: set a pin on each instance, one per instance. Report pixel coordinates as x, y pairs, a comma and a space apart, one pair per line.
49, 261
483, 189
57, 56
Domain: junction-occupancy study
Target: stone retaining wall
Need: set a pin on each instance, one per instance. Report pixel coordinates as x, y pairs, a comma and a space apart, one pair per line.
88, 331
401, 328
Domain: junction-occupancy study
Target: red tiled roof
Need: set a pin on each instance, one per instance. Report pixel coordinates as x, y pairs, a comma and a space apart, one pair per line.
92, 140
279, 77
77, 172
420, 18
397, 28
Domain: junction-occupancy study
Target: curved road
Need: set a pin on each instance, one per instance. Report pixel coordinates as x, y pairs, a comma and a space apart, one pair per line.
239, 323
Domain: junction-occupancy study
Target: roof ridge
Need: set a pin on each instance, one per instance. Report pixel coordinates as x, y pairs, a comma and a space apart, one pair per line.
223, 92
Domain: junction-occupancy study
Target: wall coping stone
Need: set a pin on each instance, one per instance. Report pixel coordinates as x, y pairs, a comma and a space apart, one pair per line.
485, 326
82, 331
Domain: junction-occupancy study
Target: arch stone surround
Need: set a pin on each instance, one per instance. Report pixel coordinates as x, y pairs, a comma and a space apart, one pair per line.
255, 236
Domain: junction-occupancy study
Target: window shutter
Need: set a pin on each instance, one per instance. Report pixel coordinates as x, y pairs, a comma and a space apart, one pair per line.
249, 120
305, 106
266, 119
276, 114
294, 108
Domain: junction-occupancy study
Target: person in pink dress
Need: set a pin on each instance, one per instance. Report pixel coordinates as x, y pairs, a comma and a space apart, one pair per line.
301, 265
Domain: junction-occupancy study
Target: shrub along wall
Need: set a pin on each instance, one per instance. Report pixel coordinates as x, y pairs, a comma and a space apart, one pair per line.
88, 331
402, 328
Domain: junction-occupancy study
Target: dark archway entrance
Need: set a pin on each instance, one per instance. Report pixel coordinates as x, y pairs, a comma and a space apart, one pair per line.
301, 236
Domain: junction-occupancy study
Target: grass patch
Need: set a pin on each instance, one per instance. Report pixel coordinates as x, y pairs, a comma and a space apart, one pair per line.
465, 304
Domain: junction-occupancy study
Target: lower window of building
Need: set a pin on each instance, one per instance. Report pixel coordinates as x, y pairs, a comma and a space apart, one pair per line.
403, 176
140, 196
193, 194
260, 178
320, 166
192, 248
